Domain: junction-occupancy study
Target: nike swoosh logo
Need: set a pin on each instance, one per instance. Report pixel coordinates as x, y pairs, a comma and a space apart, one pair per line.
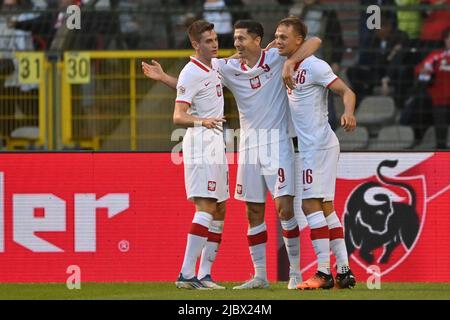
306, 189
237, 74
207, 84
281, 187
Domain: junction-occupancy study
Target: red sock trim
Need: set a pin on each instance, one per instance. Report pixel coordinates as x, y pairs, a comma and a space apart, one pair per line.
291, 233
320, 233
199, 230
257, 239
337, 233
214, 237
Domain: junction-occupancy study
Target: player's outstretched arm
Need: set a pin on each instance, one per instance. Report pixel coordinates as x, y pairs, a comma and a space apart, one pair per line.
154, 71
348, 120
306, 49
182, 118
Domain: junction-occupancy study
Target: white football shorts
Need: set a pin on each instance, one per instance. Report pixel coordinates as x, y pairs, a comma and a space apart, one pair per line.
319, 173
205, 168
265, 168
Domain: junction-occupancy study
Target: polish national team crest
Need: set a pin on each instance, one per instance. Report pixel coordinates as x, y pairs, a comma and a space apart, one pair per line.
239, 189
211, 186
219, 90
255, 82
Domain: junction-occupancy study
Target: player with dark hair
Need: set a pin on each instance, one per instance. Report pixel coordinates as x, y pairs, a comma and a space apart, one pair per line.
199, 106
255, 79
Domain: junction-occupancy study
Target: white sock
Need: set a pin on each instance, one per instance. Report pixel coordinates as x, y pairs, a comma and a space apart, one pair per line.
209, 252
337, 242
195, 242
321, 240
257, 239
292, 243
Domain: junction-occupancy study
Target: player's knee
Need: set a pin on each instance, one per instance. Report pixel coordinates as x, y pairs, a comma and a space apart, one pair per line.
220, 211
255, 213
285, 212
311, 205
206, 205
285, 207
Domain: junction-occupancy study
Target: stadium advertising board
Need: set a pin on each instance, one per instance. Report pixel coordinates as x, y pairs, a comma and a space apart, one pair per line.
124, 217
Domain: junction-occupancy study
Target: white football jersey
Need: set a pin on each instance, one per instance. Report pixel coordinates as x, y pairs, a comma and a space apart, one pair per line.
308, 103
261, 97
200, 87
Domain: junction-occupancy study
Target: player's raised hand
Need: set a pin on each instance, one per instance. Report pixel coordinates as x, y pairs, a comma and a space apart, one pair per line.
348, 122
153, 70
213, 123
288, 71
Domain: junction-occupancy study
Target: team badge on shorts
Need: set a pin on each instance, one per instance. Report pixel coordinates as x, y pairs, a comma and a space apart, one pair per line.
239, 189
211, 186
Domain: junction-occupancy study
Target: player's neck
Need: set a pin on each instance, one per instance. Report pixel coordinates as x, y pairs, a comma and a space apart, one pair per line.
289, 55
205, 61
253, 60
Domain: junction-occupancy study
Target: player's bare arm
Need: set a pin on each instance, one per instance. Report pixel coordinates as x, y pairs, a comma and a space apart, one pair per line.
155, 72
182, 118
306, 49
348, 120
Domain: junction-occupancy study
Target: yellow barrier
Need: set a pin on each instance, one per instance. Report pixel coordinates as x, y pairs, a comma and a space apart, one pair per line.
108, 104
104, 102
25, 97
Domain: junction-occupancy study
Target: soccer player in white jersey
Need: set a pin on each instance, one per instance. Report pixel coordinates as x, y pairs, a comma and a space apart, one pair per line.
199, 106
266, 158
319, 151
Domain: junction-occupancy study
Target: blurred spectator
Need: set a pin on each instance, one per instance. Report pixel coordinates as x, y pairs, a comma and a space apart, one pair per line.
435, 23
325, 24
383, 54
21, 98
435, 70
129, 22
42, 26
409, 21
216, 12
238, 10
365, 34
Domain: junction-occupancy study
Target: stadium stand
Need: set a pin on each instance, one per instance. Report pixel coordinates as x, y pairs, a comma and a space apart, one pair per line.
118, 109
356, 140
376, 112
393, 138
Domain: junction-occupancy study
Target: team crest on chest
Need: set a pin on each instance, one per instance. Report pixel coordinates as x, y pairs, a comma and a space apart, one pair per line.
255, 82
219, 90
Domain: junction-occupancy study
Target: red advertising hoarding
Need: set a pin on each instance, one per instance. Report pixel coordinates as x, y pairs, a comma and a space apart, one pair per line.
118, 216
125, 217
395, 211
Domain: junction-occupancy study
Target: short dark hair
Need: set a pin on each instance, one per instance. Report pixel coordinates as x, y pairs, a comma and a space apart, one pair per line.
196, 29
253, 27
296, 24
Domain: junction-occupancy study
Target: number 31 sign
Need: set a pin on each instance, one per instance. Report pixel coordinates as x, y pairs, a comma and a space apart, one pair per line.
30, 67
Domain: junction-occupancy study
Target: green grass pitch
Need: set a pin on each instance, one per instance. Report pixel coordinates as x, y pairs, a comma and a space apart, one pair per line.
167, 291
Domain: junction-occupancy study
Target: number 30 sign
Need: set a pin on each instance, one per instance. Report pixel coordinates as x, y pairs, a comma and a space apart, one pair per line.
77, 67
